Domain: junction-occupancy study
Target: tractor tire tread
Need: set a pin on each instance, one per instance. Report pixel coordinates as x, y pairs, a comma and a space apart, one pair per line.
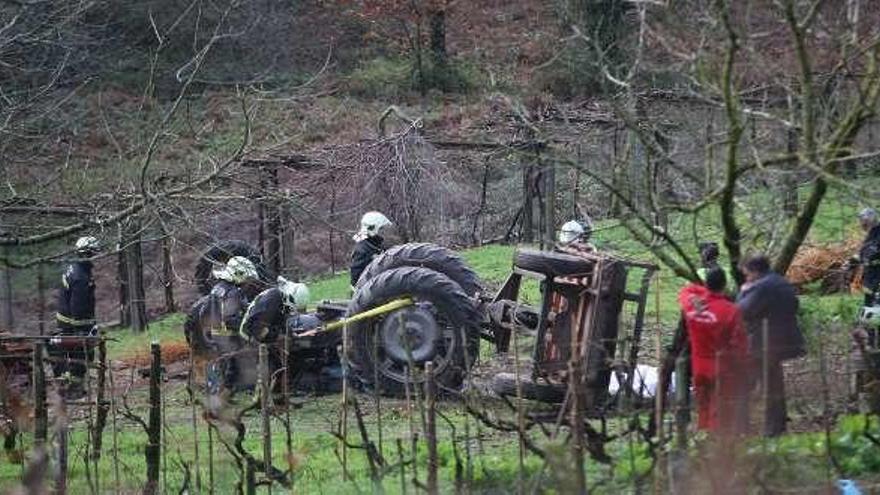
427, 255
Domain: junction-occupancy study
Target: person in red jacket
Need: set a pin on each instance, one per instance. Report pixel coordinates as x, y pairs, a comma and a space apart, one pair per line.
718, 351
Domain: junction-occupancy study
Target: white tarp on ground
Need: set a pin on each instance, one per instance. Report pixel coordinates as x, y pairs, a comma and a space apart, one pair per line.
644, 384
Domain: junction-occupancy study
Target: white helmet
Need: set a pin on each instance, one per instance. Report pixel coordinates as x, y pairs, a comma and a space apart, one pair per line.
574, 230
87, 244
870, 316
296, 295
237, 270
372, 222
869, 215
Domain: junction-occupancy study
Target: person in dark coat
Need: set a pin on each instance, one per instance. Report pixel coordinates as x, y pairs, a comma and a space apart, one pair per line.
368, 243
869, 255
75, 317
768, 303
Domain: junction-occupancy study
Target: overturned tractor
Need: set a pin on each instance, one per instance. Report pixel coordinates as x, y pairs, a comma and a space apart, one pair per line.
419, 302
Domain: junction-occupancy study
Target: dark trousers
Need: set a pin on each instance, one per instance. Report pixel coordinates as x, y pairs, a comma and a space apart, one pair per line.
772, 394
73, 359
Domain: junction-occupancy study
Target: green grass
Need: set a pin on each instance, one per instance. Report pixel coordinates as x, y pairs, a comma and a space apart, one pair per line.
126, 343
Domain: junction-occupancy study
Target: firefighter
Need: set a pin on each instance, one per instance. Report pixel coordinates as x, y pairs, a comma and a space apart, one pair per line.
368, 243
575, 234
227, 302
869, 256
230, 292
718, 347
76, 317
274, 309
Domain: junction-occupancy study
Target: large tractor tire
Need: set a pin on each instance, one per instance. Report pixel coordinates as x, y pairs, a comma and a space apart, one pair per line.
432, 256
218, 254
551, 264
442, 325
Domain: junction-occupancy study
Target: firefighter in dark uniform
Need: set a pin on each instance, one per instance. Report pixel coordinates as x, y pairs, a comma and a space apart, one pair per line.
228, 301
275, 310
75, 317
866, 333
869, 256
368, 243
229, 294
267, 315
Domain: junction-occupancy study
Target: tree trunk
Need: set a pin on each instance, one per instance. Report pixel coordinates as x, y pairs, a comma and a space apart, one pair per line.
272, 222
168, 276
437, 22
790, 192
550, 203
7, 319
134, 262
122, 277
527, 209
288, 237
475, 237
41, 298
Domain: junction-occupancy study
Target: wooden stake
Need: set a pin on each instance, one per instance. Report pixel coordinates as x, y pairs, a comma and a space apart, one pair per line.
153, 449
61, 434
210, 461
658, 399
431, 427
116, 482
194, 419
520, 413
343, 427
288, 428
265, 405
41, 418
402, 466
100, 401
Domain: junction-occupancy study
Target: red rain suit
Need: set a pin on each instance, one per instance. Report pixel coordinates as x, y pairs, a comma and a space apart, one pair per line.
718, 353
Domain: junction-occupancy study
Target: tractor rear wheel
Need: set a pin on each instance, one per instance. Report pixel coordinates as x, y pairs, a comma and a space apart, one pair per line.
442, 326
551, 264
432, 256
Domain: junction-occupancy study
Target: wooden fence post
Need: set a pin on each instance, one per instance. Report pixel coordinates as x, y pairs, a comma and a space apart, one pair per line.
682, 409
265, 405
61, 432
41, 418
100, 401
431, 427
153, 449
